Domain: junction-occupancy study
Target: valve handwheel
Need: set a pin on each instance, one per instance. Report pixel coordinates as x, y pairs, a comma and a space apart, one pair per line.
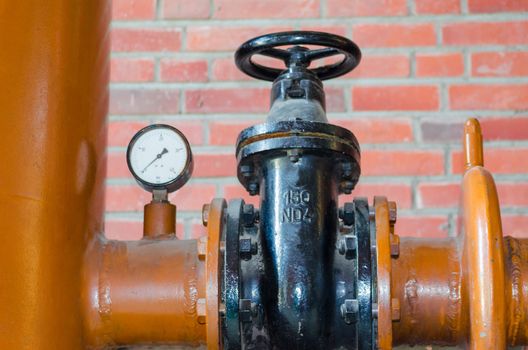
298, 56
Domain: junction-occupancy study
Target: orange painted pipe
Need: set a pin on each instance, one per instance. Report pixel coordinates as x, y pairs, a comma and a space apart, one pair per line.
144, 292
54, 72
429, 280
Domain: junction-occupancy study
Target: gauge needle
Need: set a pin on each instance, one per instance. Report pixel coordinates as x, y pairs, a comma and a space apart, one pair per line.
155, 159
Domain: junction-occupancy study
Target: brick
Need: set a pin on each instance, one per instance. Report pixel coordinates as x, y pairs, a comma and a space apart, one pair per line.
247, 9
513, 194
133, 9
490, 97
435, 7
394, 163
120, 132
249, 100
480, 6
438, 195
117, 166
441, 131
358, 8
223, 38
183, 71
151, 39
124, 230
497, 160
133, 198
183, 9
515, 225
422, 226
515, 128
501, 128
439, 65
335, 99
224, 69
327, 28
486, 33
237, 191
400, 193
132, 101
382, 66
394, 35
225, 133
215, 165
374, 130
131, 70
499, 64
397, 98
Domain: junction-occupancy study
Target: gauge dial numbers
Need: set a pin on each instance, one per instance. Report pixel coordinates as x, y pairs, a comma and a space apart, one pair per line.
159, 157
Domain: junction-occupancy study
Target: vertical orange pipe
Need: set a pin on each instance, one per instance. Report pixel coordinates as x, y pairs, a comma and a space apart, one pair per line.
54, 73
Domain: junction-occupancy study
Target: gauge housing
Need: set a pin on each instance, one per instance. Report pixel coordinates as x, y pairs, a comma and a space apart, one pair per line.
176, 182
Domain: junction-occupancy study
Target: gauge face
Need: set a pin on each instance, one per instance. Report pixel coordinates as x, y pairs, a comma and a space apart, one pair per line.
159, 157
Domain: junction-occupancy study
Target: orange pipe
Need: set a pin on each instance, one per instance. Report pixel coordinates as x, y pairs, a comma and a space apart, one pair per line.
144, 292
54, 69
428, 281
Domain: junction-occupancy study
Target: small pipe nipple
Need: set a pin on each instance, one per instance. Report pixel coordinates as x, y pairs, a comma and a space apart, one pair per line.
473, 144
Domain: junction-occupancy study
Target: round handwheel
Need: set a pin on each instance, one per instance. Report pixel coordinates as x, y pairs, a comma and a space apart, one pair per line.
298, 56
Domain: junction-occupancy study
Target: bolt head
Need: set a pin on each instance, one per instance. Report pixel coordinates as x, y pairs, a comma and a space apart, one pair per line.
246, 170
253, 188
247, 248
395, 309
347, 246
201, 310
394, 245
349, 310
346, 187
205, 214
248, 215
393, 212
245, 312
348, 214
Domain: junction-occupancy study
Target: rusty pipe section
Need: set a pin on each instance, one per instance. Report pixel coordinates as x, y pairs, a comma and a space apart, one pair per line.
429, 280
144, 292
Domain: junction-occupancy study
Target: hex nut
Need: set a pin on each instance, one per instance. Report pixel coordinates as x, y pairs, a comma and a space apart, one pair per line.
248, 215
246, 170
395, 309
348, 246
394, 245
347, 214
201, 310
202, 247
245, 313
346, 187
393, 212
349, 310
253, 188
205, 214
247, 248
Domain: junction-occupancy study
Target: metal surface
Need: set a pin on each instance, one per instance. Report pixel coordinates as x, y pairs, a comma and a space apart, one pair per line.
159, 219
299, 218
144, 292
54, 69
298, 56
483, 250
175, 183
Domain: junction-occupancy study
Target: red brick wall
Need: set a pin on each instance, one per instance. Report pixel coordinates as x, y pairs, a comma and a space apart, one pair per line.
427, 66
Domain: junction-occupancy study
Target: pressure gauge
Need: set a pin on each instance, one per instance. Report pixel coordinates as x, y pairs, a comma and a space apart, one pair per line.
160, 158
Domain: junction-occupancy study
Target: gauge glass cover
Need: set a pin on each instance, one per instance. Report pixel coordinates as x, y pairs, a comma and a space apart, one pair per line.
158, 156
